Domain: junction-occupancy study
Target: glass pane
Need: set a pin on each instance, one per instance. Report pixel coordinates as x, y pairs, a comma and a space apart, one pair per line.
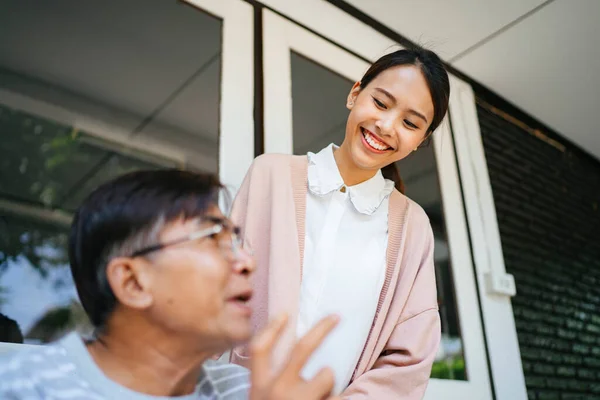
319, 118
104, 88
36, 287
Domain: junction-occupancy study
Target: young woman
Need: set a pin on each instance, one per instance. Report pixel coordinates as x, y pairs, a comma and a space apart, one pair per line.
332, 235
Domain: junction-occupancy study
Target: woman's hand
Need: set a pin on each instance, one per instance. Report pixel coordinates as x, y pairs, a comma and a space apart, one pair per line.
287, 384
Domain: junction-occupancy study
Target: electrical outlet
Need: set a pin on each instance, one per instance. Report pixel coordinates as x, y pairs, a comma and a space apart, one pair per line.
502, 284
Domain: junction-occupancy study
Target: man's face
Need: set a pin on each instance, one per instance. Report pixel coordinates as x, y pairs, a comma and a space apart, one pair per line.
201, 288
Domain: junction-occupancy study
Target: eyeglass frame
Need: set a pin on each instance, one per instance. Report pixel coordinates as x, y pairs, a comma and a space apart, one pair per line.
220, 224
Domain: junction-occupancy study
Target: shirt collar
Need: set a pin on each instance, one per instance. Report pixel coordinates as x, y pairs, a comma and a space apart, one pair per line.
73, 346
324, 177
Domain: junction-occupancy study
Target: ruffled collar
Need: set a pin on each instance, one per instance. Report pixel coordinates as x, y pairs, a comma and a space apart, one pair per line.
324, 177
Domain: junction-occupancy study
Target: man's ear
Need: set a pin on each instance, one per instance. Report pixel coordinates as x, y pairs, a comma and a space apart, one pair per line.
130, 280
353, 95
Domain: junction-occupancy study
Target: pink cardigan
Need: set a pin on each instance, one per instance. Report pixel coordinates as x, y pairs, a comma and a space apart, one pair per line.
405, 334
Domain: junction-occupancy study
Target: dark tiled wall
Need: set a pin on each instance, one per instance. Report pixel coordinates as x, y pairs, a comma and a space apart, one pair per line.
548, 206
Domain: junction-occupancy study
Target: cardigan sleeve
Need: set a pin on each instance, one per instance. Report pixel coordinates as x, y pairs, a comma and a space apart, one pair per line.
402, 370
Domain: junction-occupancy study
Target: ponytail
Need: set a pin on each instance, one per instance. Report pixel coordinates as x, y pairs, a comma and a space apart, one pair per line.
392, 173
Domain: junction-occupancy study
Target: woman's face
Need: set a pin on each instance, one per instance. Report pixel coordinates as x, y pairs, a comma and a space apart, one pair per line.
389, 118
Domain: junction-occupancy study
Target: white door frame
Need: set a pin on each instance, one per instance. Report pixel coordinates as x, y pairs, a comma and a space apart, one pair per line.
280, 37
236, 133
495, 285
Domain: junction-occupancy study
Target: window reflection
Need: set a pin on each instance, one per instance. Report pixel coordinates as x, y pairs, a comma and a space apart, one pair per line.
35, 253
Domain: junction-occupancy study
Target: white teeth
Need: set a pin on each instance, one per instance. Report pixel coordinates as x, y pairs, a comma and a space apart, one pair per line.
373, 142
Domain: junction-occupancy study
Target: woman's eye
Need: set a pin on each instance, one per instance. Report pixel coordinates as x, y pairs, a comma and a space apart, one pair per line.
410, 124
379, 103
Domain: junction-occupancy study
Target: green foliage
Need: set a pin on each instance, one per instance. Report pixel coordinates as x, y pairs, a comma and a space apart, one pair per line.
453, 368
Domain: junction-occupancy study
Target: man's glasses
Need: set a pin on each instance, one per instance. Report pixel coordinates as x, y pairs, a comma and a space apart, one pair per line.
231, 245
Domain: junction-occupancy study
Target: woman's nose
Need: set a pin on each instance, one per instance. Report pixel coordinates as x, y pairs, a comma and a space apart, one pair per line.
386, 126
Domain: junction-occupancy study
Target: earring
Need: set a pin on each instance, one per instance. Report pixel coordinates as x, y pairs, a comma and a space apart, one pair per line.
351, 103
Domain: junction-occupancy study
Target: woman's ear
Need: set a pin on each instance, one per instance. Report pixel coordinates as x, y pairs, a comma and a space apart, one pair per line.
130, 282
352, 96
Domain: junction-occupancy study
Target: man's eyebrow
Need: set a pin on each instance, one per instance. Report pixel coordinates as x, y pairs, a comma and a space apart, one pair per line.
209, 219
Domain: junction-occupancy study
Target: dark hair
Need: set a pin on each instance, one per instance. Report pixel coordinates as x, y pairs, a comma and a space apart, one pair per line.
9, 330
124, 215
436, 76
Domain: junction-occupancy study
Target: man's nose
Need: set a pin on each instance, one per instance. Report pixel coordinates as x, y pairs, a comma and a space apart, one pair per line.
245, 262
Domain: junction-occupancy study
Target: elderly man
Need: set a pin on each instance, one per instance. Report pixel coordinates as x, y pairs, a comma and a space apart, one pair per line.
164, 278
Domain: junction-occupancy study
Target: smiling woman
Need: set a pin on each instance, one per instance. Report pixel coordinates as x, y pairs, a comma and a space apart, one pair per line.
361, 250
419, 104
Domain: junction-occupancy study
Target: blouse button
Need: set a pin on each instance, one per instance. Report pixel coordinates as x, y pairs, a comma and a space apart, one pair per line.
343, 189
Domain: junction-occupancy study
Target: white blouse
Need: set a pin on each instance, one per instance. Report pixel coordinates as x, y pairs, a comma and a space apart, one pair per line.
344, 262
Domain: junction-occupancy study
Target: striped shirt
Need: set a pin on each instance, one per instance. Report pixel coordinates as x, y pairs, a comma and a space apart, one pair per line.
66, 370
